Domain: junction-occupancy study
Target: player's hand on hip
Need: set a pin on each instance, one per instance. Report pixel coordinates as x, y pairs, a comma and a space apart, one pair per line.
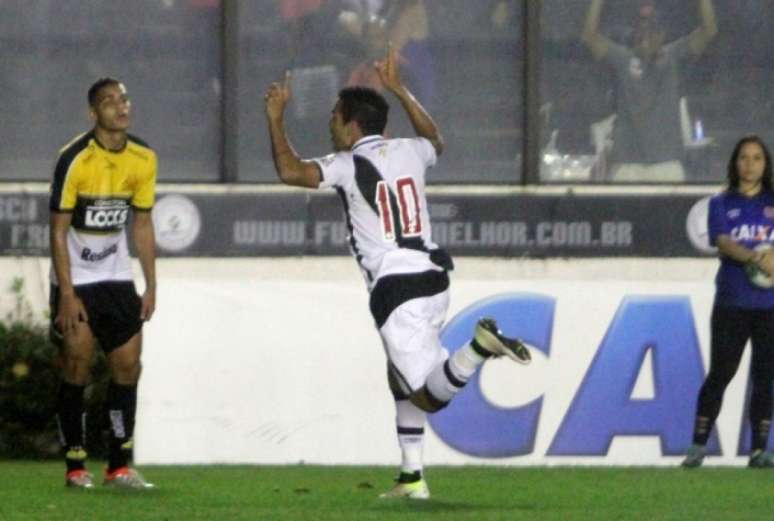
148, 305
70, 311
389, 70
277, 97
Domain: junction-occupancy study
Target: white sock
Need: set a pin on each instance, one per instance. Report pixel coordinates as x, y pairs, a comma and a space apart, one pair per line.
448, 378
410, 421
464, 362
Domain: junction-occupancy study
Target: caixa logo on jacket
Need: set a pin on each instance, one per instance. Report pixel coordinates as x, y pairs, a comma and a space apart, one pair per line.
101, 215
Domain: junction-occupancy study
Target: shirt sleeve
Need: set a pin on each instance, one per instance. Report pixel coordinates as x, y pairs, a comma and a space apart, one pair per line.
425, 150
618, 56
64, 191
145, 191
717, 224
335, 169
679, 49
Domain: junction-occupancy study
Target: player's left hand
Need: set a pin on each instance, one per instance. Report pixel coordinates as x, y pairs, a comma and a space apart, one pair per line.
148, 305
277, 97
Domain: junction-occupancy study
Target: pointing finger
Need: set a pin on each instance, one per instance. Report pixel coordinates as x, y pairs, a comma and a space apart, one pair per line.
286, 82
391, 54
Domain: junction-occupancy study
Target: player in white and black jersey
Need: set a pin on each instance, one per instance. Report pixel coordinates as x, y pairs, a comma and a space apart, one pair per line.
381, 183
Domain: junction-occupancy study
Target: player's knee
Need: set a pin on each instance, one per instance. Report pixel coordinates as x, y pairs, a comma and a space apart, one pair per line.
126, 370
76, 369
75, 361
425, 400
719, 380
79, 357
397, 390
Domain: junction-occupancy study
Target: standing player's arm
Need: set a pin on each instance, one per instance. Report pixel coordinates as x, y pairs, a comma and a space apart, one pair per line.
70, 308
596, 43
728, 248
703, 35
289, 166
145, 244
423, 124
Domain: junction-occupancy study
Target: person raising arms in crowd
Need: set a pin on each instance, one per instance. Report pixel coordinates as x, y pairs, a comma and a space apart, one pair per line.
647, 135
741, 220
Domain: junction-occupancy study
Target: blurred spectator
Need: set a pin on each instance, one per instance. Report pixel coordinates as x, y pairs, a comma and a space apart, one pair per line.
309, 29
316, 58
503, 15
404, 23
647, 138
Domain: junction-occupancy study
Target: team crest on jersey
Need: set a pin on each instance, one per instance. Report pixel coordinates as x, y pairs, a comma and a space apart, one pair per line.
768, 212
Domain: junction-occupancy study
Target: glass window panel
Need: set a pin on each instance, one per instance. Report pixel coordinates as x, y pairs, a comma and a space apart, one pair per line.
462, 60
622, 110
167, 52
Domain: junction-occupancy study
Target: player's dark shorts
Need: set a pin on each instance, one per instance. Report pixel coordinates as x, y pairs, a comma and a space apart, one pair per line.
113, 308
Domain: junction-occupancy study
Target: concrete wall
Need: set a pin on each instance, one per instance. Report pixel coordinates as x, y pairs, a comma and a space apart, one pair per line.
276, 360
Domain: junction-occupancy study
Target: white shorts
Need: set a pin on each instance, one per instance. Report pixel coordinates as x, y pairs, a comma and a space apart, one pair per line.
411, 339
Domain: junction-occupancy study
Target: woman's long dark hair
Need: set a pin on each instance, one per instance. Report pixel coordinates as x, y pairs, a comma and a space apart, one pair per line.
733, 170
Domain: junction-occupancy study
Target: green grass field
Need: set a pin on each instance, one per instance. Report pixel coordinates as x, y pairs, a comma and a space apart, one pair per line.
30, 490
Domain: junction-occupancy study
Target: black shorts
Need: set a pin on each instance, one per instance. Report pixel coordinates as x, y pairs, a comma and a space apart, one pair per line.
114, 312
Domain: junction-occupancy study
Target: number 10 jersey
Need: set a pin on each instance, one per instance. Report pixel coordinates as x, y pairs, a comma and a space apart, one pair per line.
381, 183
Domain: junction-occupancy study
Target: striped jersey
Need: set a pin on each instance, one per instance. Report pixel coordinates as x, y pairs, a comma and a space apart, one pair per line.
99, 187
381, 183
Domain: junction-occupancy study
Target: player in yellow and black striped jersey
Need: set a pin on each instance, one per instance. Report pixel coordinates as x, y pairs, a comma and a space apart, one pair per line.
100, 177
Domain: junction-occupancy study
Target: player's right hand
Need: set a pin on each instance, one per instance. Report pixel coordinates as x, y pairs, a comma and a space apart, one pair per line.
389, 70
70, 311
766, 263
277, 98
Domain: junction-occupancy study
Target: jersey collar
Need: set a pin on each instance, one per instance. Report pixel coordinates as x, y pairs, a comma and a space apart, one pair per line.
103, 147
367, 139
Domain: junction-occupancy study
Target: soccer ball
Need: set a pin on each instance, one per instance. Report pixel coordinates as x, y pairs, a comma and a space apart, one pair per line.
757, 276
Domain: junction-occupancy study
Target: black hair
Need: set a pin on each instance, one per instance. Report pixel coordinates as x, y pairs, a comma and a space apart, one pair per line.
97, 86
366, 107
733, 169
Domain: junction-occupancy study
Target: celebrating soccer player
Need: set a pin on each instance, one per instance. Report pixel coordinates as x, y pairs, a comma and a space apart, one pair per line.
381, 183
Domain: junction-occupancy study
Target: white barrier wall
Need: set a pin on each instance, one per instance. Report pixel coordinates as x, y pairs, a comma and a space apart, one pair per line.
276, 360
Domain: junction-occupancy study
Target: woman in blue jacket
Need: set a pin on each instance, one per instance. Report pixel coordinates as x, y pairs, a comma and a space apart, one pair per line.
741, 225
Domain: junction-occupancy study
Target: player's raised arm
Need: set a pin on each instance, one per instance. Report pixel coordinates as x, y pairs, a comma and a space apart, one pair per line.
423, 124
290, 168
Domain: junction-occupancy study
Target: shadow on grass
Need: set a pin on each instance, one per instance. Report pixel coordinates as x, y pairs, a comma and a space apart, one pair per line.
105, 492
439, 505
